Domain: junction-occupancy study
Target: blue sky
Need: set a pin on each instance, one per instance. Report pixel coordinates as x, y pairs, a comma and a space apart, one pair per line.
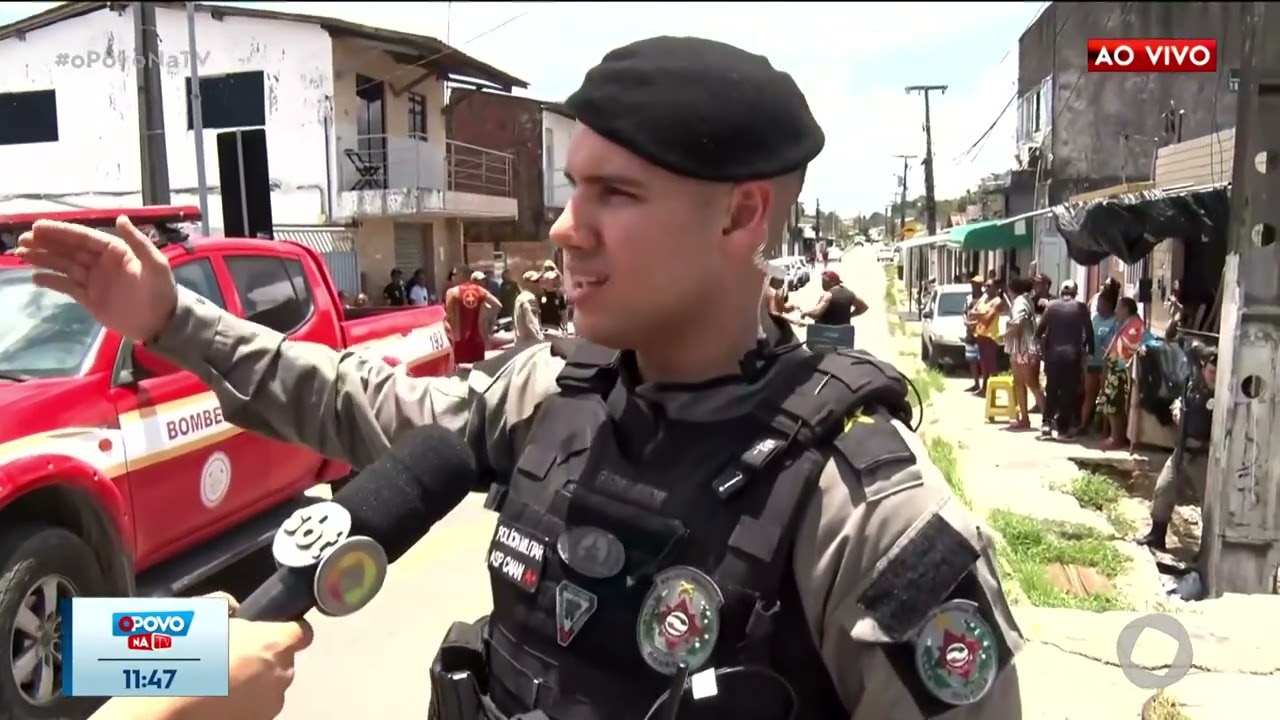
851, 59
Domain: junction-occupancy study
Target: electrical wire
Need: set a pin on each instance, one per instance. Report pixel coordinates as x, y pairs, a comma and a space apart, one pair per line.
1007, 105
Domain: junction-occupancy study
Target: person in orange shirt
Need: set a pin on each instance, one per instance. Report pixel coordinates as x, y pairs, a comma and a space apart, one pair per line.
985, 316
465, 305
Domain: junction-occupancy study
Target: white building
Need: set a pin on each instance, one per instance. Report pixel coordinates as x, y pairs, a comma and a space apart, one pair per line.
353, 116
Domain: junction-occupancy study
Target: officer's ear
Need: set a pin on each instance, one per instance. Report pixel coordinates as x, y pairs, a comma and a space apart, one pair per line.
746, 224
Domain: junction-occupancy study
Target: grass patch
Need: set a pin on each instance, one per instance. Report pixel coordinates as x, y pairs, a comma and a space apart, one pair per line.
1101, 494
1163, 706
927, 381
1031, 545
891, 288
943, 456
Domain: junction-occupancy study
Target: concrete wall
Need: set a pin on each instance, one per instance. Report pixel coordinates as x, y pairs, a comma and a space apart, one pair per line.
1091, 111
512, 125
95, 162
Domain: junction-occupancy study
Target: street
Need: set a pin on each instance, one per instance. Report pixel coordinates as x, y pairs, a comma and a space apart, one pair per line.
375, 662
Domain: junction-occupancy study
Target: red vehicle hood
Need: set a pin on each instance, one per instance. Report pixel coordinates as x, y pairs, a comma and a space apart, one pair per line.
37, 406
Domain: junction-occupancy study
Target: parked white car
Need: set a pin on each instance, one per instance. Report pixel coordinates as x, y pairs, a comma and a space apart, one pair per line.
887, 254
942, 329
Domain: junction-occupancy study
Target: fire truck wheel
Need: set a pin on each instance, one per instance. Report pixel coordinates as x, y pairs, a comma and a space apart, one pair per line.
40, 565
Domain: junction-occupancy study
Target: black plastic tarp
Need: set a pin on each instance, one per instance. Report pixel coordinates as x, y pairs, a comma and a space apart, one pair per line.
1129, 231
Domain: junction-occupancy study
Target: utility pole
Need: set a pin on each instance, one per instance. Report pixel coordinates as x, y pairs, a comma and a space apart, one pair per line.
888, 223
151, 147
197, 120
930, 202
1240, 546
902, 210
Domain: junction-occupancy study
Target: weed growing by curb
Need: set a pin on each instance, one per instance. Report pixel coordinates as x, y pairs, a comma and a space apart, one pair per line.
1163, 706
1101, 494
1033, 545
927, 381
943, 456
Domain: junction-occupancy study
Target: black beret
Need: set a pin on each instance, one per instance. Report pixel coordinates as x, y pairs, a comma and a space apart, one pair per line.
699, 108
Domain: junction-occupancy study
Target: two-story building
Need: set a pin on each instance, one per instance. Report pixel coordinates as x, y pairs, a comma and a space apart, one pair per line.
1079, 132
536, 135
354, 120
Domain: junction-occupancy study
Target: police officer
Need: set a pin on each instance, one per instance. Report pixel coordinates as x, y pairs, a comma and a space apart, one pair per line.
712, 499
1185, 472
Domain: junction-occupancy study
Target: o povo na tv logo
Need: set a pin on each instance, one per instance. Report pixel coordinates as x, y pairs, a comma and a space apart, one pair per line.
152, 630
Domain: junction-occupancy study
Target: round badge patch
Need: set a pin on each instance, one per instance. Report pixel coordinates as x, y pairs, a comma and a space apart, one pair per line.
679, 620
591, 551
215, 479
956, 653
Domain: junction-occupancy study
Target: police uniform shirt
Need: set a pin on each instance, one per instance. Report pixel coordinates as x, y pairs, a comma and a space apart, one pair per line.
852, 543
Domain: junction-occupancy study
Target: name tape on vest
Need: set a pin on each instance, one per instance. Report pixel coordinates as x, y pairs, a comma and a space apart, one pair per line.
517, 556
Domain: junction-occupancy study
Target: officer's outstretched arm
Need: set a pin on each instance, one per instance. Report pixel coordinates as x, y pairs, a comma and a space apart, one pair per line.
900, 589
343, 404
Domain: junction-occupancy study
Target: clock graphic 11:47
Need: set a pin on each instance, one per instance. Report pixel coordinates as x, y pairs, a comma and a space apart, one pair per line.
135, 679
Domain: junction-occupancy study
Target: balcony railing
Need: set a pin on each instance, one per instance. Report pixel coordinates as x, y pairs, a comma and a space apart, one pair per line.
397, 162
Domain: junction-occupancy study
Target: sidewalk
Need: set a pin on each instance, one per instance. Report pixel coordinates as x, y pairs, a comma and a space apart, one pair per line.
1070, 668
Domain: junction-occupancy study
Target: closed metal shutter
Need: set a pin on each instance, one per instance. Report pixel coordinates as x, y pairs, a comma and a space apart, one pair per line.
408, 244
337, 245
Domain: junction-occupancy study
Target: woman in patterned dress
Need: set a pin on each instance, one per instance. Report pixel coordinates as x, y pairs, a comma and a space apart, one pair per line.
1113, 399
1024, 354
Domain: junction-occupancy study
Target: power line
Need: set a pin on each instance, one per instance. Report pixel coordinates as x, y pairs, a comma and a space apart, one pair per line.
982, 139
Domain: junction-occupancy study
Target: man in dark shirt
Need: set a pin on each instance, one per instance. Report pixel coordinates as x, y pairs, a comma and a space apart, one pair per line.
394, 293
552, 311
1065, 335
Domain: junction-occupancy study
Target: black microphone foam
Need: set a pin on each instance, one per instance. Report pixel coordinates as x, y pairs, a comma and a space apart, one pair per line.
394, 502
420, 479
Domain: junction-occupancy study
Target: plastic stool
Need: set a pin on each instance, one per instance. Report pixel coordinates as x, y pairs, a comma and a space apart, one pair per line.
1000, 404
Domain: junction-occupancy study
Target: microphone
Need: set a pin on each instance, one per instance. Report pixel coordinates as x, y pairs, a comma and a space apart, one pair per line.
334, 555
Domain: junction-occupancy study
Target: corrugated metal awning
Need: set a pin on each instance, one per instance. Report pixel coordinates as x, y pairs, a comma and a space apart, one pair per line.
321, 238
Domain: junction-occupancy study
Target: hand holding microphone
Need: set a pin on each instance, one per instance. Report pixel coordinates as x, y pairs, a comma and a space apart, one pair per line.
332, 556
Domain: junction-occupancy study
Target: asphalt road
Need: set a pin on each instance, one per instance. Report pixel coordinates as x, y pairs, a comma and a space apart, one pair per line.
375, 663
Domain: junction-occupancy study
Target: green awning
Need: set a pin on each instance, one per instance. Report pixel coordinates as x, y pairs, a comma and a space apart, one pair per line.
1011, 234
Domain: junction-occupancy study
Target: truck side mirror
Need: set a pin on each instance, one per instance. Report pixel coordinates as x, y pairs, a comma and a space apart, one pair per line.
145, 364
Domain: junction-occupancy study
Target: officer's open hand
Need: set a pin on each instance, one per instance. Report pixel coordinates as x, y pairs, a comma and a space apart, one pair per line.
123, 280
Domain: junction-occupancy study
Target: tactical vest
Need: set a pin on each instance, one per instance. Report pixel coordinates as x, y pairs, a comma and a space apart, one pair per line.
1197, 413
722, 498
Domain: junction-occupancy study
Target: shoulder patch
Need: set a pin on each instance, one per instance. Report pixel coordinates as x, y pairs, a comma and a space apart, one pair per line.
873, 448
918, 575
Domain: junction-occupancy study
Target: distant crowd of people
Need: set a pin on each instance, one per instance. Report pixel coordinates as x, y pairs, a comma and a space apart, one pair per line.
1082, 350
475, 302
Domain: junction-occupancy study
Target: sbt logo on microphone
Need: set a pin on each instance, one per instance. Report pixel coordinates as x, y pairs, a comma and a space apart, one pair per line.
151, 630
1153, 55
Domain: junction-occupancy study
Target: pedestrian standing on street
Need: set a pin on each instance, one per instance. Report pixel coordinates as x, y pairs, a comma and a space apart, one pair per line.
1113, 398
970, 337
837, 305
1066, 337
1185, 472
1024, 353
469, 308
712, 497
526, 314
986, 327
393, 294
1103, 321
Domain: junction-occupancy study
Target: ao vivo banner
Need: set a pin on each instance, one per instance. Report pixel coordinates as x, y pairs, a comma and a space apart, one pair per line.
1153, 55
114, 647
